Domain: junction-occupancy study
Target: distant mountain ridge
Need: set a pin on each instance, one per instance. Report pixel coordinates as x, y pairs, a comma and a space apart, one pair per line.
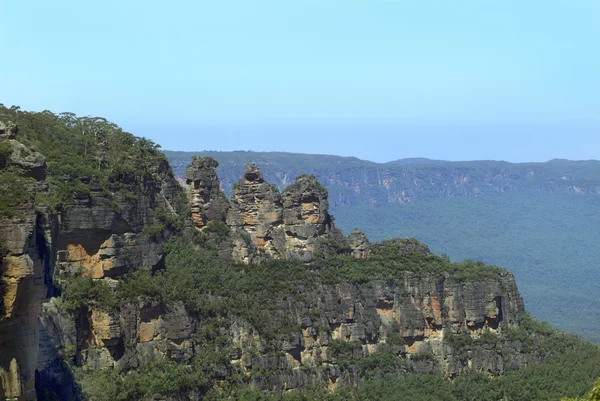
351, 180
538, 219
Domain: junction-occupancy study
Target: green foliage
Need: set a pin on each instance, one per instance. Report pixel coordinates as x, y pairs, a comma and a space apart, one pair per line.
567, 373
13, 193
593, 395
465, 340
5, 152
159, 377
164, 221
80, 292
138, 284
343, 349
329, 247
85, 154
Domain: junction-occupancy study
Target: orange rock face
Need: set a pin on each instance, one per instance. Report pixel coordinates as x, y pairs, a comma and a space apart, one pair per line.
93, 266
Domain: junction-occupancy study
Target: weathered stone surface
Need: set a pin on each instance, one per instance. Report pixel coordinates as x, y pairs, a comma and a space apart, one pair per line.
422, 310
58, 333
359, 243
8, 130
256, 209
23, 266
305, 217
100, 236
288, 225
25, 161
207, 201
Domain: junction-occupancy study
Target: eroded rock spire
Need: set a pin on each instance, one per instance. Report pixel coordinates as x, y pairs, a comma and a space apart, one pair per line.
207, 201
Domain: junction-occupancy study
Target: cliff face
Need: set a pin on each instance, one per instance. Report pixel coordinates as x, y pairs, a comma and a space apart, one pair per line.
331, 326
24, 267
369, 318
98, 236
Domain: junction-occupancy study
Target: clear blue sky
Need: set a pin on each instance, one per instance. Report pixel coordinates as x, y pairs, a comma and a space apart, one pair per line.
378, 79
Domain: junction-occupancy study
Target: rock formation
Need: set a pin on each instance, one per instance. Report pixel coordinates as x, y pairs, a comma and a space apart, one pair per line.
256, 210
104, 236
100, 236
305, 217
207, 201
359, 243
8, 130
263, 222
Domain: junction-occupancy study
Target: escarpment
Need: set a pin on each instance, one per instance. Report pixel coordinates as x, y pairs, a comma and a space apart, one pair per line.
99, 234
137, 277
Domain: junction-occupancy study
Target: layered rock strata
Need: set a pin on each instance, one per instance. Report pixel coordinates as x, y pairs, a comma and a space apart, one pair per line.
207, 201
24, 265
99, 236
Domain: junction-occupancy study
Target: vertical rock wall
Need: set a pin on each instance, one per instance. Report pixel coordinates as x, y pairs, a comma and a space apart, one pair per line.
24, 265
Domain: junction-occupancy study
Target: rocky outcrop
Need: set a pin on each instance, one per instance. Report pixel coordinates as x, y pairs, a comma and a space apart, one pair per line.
422, 312
207, 201
256, 210
359, 243
305, 217
8, 130
18, 157
263, 221
100, 235
414, 318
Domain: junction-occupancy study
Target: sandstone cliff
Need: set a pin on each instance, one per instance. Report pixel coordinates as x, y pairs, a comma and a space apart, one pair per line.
24, 236
321, 330
99, 236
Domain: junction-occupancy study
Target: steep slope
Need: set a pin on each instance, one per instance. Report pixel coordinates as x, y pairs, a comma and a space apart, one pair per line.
23, 238
537, 218
66, 225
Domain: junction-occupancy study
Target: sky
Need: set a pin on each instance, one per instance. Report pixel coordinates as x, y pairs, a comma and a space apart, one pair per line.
377, 79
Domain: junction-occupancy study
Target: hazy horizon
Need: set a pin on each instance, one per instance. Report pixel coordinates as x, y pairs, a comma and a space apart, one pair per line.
379, 80
380, 162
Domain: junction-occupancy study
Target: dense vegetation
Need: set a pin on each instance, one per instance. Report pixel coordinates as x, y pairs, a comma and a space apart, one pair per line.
538, 219
83, 154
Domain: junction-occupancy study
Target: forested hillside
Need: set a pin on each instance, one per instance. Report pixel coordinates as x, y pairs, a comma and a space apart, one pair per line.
538, 219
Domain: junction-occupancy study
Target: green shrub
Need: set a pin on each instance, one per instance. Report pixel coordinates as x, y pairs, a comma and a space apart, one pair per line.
79, 292
84, 153
5, 152
14, 193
